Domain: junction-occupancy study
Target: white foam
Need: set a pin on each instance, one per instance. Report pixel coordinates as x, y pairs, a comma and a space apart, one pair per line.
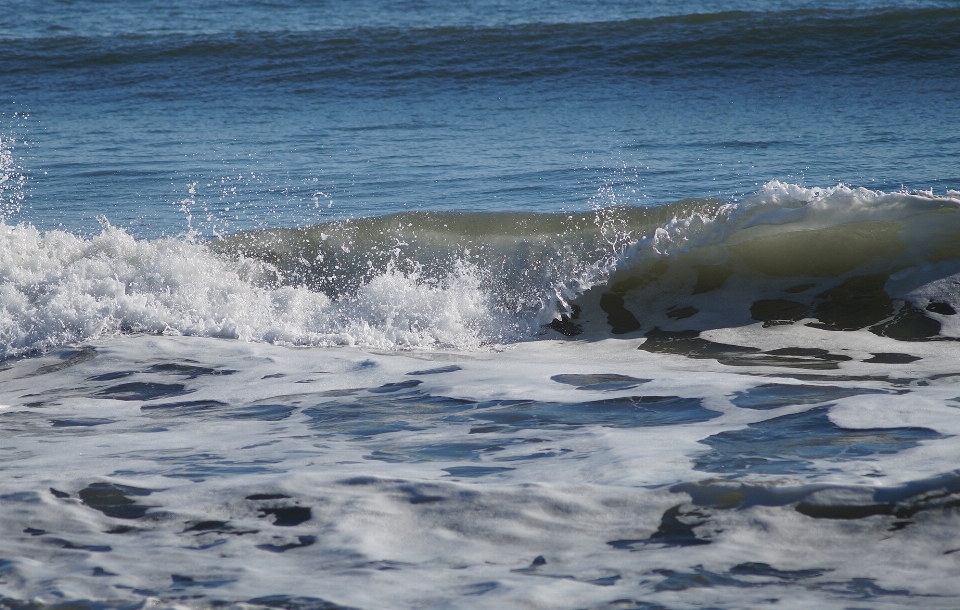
57, 288
883, 411
405, 530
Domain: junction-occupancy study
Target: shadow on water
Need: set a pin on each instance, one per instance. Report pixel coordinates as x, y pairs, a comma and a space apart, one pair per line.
443, 369
69, 359
604, 381
114, 500
260, 412
189, 369
139, 390
676, 530
182, 409
81, 422
291, 602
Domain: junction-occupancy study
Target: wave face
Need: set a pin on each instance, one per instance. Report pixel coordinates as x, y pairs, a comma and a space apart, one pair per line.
843, 258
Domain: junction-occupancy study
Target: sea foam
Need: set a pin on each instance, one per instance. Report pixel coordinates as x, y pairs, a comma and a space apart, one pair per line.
57, 288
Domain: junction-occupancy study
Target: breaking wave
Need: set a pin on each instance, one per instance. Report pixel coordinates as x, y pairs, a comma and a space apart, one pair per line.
841, 258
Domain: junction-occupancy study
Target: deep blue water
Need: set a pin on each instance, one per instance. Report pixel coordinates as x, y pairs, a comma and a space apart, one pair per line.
288, 113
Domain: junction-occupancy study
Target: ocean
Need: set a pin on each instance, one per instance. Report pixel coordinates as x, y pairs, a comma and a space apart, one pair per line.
599, 305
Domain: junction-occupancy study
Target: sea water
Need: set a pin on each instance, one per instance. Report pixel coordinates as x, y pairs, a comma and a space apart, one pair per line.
594, 305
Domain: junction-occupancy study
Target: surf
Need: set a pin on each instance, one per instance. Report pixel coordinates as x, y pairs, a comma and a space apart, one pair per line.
842, 258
